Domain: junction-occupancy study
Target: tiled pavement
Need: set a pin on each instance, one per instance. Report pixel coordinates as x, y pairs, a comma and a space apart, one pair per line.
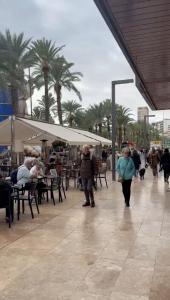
104, 253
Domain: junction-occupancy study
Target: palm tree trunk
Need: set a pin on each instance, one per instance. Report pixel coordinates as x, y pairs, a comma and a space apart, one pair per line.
108, 127
96, 128
59, 109
119, 137
47, 110
71, 121
14, 99
124, 132
100, 128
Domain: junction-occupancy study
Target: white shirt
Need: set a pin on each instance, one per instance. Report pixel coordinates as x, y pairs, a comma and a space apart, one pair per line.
23, 175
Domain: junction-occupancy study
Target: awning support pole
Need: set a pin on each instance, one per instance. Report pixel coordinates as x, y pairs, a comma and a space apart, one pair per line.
113, 132
12, 140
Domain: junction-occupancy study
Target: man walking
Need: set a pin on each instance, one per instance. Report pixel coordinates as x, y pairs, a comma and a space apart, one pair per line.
87, 172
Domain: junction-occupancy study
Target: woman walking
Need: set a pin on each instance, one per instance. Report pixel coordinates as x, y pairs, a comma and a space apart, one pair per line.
126, 170
154, 161
165, 164
137, 162
87, 172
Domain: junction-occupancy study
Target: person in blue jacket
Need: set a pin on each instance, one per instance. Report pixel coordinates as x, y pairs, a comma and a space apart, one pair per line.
126, 170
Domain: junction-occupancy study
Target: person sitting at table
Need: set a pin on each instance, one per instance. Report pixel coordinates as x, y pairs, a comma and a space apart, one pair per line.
24, 176
28, 155
36, 169
4, 185
52, 157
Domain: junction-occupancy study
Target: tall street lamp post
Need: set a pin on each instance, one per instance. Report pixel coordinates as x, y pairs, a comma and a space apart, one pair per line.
114, 122
30, 89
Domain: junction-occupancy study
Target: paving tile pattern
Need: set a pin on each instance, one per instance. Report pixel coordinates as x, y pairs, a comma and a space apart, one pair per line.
104, 253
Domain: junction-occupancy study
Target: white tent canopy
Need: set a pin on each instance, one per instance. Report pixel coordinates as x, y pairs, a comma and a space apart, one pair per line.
96, 137
33, 132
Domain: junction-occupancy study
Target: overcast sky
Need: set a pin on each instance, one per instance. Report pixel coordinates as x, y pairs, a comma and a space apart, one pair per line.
89, 44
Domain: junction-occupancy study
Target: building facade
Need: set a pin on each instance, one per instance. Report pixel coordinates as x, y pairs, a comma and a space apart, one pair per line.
142, 112
163, 127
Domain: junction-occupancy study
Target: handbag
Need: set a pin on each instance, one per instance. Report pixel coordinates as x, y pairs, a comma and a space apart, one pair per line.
121, 178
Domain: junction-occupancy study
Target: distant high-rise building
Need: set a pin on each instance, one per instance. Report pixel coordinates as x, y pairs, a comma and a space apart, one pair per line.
142, 112
163, 127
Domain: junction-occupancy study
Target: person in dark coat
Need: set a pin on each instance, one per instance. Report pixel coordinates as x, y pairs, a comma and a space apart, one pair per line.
104, 155
87, 172
160, 153
137, 162
165, 164
4, 185
153, 160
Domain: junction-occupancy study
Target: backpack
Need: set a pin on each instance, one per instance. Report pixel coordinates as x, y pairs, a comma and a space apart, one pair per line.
14, 176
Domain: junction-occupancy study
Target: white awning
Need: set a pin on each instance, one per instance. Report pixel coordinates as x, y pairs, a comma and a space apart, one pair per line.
96, 137
32, 132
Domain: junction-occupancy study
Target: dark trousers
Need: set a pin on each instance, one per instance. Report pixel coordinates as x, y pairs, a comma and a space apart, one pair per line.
126, 189
11, 210
88, 189
155, 171
166, 174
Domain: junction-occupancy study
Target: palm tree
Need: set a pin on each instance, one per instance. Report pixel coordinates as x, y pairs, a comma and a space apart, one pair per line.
15, 57
80, 119
97, 116
37, 114
140, 134
44, 53
123, 118
70, 110
63, 77
107, 111
39, 110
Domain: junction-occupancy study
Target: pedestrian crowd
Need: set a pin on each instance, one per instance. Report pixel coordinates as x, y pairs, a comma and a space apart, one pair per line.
130, 164
134, 163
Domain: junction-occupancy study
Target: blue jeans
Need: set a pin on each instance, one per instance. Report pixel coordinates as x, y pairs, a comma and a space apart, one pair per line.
136, 172
88, 189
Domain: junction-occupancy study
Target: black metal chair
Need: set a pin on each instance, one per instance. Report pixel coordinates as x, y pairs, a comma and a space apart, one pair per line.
101, 174
29, 195
66, 177
55, 176
55, 184
7, 202
62, 186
